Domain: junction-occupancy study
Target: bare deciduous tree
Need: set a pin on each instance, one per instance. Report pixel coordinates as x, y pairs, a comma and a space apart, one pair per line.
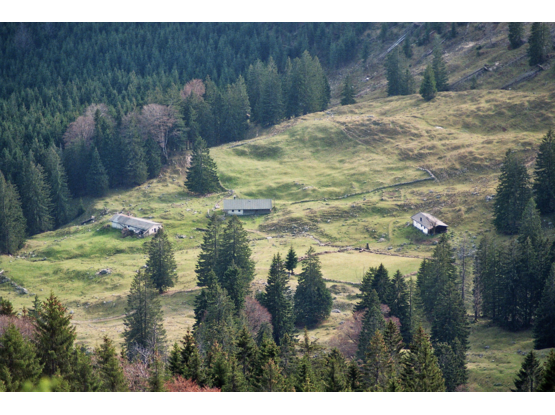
256, 315
195, 86
83, 127
346, 339
157, 121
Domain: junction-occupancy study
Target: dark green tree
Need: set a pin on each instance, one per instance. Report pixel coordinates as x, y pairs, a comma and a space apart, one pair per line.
153, 157
407, 48
12, 221
530, 374
54, 337
202, 175
144, 319
83, 377
313, 300
235, 249
516, 32
382, 284
428, 87
291, 260
157, 375
135, 171
539, 44
421, 372
354, 377
366, 291
174, 360
209, 251
394, 74
547, 384
544, 175
450, 322
191, 361
97, 178
399, 304
236, 285
35, 199
378, 365
109, 365
348, 92
372, 321
335, 379
513, 193
6, 307
544, 334
440, 70
18, 360
245, 352
278, 300
59, 190
161, 266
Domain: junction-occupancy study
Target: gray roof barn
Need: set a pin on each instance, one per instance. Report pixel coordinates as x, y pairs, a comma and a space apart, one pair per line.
137, 223
428, 221
247, 204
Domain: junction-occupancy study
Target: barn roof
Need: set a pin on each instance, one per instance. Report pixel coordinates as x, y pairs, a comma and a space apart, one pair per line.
138, 223
427, 220
247, 204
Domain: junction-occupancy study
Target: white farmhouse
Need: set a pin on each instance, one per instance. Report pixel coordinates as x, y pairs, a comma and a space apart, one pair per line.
247, 206
428, 224
140, 227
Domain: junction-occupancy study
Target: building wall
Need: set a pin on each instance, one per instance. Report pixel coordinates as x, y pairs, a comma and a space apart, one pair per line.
419, 226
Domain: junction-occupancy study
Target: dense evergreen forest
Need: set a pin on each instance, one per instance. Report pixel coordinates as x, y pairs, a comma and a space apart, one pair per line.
87, 107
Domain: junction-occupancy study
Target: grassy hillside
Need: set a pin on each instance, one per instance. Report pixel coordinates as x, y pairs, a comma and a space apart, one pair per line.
307, 166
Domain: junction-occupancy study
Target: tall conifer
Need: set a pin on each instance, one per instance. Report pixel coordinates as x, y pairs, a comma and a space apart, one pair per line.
161, 266
544, 175
12, 221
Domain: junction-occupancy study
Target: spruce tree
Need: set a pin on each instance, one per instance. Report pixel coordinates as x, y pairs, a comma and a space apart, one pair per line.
174, 360
372, 321
544, 175
97, 178
421, 372
547, 383
407, 48
399, 304
191, 361
18, 360
202, 175
236, 285
271, 101
348, 94
235, 249
12, 221
144, 320
513, 192
539, 44
440, 70
378, 365
354, 377
83, 377
313, 300
245, 352
209, 251
153, 157
291, 260
6, 307
382, 285
544, 322
235, 379
157, 375
394, 74
161, 266
335, 379
428, 87
448, 365
35, 199
278, 300
111, 372
135, 171
59, 190
450, 322
530, 374
516, 32
54, 337
365, 290
271, 379
394, 344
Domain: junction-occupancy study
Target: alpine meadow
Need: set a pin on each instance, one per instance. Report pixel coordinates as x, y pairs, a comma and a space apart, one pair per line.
277, 207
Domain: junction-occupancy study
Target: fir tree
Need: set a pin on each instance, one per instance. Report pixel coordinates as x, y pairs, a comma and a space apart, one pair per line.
278, 300
175, 367
399, 304
516, 32
530, 374
271, 379
245, 352
6, 307
236, 285
547, 383
157, 375
513, 192
235, 249
421, 372
440, 71
111, 372
539, 44
348, 93
202, 175
544, 323
354, 377
335, 379
372, 321
209, 251
305, 379
544, 175
428, 87
35, 199
18, 360
144, 320
83, 377
135, 170
447, 361
191, 361
378, 365
313, 300
153, 156
407, 48
394, 343
382, 285
366, 290
59, 190
291, 260
394, 74
161, 266
235, 379
12, 221
450, 322
54, 337
97, 178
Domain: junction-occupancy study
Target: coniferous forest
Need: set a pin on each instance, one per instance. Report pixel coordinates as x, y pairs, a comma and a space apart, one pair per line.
89, 111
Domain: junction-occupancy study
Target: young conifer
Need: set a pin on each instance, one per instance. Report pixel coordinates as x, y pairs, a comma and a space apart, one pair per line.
202, 175
291, 260
548, 381
97, 178
530, 374
428, 88
111, 372
12, 221
544, 175
18, 361
347, 94
544, 324
161, 266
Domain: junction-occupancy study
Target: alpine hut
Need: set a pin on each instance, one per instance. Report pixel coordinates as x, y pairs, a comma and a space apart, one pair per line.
428, 224
246, 207
137, 226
